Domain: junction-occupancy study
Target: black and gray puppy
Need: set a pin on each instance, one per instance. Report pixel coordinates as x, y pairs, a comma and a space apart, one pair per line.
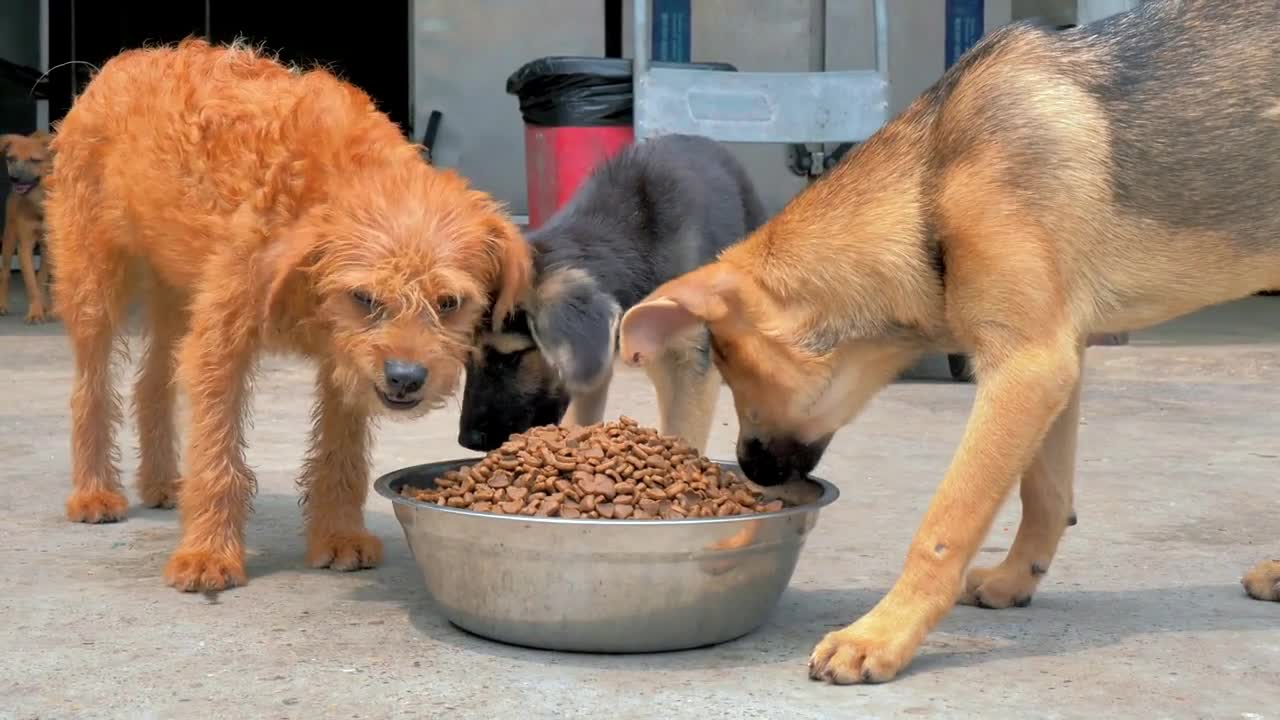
656, 210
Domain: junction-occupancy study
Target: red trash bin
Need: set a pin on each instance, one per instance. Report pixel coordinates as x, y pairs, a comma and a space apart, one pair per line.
577, 114
558, 159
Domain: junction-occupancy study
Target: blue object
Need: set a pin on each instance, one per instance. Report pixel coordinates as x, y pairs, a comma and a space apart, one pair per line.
672, 30
965, 21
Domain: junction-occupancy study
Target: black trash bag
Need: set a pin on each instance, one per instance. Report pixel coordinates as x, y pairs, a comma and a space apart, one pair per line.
581, 91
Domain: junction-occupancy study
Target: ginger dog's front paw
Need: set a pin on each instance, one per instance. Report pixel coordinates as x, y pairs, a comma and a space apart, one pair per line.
97, 506
864, 652
344, 551
1000, 587
205, 571
1263, 581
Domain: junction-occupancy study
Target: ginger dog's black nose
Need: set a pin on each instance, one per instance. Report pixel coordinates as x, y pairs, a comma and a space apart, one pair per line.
404, 378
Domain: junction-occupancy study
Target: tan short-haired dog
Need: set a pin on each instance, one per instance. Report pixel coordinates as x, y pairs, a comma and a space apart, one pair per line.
258, 208
28, 160
1050, 185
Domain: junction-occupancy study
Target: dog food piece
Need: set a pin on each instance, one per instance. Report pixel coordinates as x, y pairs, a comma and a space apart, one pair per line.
615, 470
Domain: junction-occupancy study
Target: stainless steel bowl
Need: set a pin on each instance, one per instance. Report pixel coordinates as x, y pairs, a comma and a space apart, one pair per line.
601, 585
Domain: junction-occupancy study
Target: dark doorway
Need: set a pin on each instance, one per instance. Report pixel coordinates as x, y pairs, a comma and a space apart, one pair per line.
369, 48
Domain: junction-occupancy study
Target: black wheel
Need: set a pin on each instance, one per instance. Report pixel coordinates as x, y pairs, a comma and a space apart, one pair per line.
959, 365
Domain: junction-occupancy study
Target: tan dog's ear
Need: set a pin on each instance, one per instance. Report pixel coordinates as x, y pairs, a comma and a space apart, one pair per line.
6, 140
515, 268
42, 137
703, 296
280, 263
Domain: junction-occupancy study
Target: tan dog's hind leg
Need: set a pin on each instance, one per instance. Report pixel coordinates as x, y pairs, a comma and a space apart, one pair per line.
1263, 581
214, 361
35, 290
9, 246
687, 385
1046, 512
1020, 394
154, 398
335, 483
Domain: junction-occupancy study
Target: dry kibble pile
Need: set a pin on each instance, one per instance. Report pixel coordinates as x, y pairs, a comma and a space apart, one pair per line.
616, 470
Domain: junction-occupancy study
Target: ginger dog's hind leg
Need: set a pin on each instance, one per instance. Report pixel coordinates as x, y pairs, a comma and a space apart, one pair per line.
1046, 492
335, 483
154, 398
92, 299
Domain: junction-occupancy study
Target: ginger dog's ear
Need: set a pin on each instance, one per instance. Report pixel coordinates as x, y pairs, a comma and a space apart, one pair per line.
515, 267
704, 296
280, 263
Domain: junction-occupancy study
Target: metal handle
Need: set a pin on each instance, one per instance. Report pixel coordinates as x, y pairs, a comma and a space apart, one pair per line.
642, 16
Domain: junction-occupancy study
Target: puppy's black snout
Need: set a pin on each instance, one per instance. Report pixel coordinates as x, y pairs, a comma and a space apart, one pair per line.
404, 378
475, 439
774, 462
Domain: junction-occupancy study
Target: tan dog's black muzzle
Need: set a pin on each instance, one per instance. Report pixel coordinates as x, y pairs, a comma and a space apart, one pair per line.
777, 460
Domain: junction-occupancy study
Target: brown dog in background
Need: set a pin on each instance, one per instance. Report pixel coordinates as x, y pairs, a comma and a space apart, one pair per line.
1049, 186
258, 208
28, 160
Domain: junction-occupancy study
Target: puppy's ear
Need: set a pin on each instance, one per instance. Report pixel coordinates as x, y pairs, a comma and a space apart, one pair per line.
515, 266
6, 140
704, 296
279, 265
42, 137
574, 326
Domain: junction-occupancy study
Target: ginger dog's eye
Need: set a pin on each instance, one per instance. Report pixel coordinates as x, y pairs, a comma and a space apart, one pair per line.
365, 301
448, 303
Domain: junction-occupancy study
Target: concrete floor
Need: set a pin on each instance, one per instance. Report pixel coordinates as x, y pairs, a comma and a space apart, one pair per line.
1142, 613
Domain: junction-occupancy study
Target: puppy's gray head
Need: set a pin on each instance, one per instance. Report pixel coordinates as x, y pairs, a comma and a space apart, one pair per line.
575, 325
561, 340
510, 387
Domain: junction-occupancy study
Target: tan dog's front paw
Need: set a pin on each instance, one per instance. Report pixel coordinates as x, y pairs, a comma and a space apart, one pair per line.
204, 571
36, 314
353, 550
861, 653
999, 587
96, 506
4, 308
1263, 581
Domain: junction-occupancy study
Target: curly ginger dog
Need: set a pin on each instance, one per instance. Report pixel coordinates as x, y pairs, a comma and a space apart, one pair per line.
258, 208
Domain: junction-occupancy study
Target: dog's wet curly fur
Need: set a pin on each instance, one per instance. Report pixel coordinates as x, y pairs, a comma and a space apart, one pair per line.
256, 207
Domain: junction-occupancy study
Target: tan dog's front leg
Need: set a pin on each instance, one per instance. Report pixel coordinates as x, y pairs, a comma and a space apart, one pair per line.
1046, 514
217, 488
7, 248
687, 385
335, 483
1018, 398
35, 292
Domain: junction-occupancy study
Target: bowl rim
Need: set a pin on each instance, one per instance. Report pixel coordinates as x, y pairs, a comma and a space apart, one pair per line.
830, 493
